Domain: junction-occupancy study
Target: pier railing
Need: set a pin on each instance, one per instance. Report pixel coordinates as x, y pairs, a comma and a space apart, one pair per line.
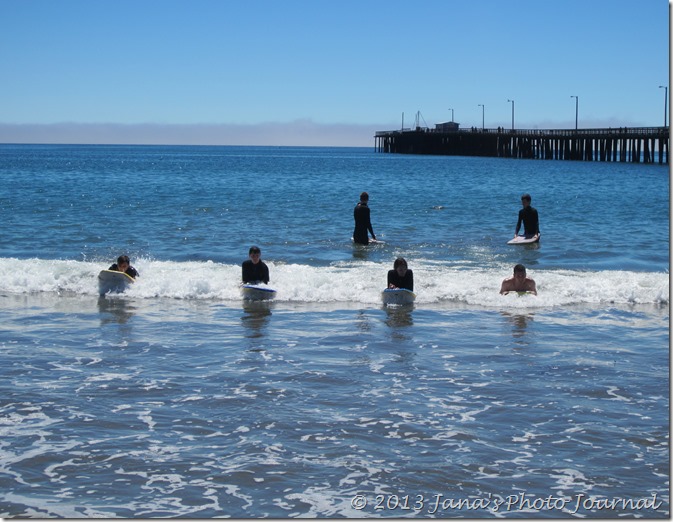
633, 144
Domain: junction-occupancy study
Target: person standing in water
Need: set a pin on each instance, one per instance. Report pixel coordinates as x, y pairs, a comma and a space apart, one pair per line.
528, 217
254, 270
363, 222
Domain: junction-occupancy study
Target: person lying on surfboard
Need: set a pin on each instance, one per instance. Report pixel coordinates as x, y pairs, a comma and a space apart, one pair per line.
518, 282
123, 264
528, 216
255, 270
400, 276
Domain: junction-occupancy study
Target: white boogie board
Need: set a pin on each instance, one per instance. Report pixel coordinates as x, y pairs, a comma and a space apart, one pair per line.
113, 281
372, 242
397, 296
522, 240
257, 292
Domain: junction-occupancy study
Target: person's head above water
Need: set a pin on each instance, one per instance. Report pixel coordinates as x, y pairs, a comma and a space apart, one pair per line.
255, 254
400, 266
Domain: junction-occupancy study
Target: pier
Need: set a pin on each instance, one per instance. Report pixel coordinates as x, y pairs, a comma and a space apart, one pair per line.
622, 144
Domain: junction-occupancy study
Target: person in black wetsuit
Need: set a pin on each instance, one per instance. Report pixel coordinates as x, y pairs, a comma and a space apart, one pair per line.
400, 276
528, 216
363, 222
254, 269
123, 264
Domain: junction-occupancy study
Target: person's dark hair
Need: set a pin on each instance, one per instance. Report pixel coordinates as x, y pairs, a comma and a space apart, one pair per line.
526, 197
364, 197
519, 268
254, 250
123, 260
400, 261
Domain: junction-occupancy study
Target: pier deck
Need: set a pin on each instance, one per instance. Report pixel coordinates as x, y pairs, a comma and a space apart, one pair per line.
632, 144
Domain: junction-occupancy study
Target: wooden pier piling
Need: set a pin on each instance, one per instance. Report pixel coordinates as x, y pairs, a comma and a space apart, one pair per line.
636, 145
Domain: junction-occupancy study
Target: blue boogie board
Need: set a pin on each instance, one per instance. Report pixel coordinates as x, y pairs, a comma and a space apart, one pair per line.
397, 296
111, 281
257, 292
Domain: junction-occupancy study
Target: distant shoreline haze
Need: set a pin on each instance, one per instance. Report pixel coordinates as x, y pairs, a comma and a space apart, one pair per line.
303, 132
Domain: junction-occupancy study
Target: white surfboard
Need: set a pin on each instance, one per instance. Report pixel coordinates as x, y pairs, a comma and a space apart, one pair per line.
371, 242
397, 296
112, 281
257, 292
523, 240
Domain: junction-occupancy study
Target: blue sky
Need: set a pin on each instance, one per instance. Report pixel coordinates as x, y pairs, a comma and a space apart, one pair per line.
301, 72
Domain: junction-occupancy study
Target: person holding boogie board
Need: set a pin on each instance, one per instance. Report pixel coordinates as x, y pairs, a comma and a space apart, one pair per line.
363, 222
400, 276
117, 277
518, 282
255, 270
529, 218
123, 264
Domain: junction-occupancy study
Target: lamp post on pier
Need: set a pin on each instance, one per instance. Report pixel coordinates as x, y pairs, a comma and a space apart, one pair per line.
665, 104
576, 109
512, 101
482, 115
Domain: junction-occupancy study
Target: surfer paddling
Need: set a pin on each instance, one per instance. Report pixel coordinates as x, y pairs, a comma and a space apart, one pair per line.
363, 222
529, 218
255, 270
400, 276
518, 282
123, 264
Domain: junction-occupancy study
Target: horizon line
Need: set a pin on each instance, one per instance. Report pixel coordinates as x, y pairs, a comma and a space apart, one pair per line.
297, 133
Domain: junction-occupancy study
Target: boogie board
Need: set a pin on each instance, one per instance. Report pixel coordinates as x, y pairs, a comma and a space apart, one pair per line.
113, 281
397, 296
523, 240
257, 292
371, 242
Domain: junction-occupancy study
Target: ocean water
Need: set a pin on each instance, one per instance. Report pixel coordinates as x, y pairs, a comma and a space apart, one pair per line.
179, 399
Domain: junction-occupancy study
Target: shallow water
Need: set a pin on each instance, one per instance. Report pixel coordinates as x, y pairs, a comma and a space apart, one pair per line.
178, 399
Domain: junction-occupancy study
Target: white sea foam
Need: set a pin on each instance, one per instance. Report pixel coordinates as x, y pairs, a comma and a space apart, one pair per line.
344, 282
